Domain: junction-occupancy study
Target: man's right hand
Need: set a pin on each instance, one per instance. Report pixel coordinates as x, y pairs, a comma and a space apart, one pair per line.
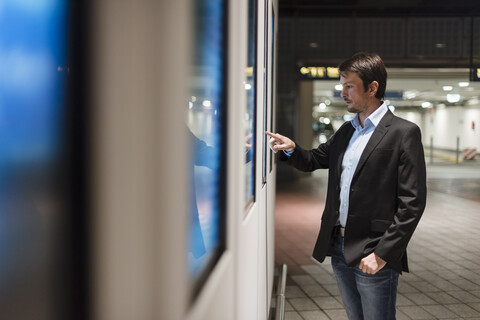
278, 142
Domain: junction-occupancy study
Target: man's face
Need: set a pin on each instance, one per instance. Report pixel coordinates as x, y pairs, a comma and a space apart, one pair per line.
353, 92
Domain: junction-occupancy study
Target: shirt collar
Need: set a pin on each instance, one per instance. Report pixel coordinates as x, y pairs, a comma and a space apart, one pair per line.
372, 120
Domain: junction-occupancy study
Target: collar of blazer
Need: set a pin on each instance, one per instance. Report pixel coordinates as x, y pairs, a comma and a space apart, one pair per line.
376, 137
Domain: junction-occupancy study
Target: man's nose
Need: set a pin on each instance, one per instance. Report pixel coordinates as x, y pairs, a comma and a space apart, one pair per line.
343, 93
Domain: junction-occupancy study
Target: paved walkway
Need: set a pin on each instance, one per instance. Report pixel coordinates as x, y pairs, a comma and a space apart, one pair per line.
444, 253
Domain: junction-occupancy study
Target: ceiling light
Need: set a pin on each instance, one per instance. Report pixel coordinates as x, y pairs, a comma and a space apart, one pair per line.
410, 94
451, 97
322, 106
426, 104
338, 87
463, 84
447, 88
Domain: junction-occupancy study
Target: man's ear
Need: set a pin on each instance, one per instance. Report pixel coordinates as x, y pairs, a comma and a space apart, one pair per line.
373, 88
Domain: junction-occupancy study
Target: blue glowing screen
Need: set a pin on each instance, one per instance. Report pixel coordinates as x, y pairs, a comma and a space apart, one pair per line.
205, 127
33, 50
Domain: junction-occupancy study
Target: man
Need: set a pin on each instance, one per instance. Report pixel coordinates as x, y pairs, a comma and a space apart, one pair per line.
376, 191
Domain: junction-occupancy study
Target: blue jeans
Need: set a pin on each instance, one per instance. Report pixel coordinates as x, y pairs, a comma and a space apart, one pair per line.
365, 296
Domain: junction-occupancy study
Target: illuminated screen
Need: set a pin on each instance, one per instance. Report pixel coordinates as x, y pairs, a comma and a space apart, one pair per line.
206, 128
272, 76
266, 84
250, 119
33, 50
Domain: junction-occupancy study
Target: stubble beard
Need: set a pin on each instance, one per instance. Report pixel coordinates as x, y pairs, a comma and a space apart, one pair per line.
351, 108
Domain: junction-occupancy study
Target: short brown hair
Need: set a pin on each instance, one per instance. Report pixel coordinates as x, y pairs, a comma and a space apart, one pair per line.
369, 67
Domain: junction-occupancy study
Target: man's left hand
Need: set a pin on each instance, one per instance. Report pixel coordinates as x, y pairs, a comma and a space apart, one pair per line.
372, 263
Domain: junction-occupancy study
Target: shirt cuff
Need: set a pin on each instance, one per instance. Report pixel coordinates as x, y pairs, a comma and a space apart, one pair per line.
288, 153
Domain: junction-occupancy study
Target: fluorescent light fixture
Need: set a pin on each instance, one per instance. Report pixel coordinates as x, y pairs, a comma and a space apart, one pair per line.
322, 106
338, 87
410, 94
452, 97
426, 104
207, 103
463, 84
447, 88
326, 121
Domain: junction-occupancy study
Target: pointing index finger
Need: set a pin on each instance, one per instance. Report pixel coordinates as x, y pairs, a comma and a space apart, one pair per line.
273, 135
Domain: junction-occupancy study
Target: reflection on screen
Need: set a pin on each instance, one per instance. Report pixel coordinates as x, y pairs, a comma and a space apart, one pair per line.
266, 84
205, 125
272, 76
32, 92
250, 87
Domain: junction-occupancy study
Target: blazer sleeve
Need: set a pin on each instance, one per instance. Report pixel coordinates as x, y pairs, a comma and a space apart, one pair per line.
411, 197
203, 155
319, 158
308, 160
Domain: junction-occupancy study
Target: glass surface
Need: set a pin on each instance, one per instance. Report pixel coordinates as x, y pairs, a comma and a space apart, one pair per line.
206, 127
272, 76
250, 118
33, 68
266, 85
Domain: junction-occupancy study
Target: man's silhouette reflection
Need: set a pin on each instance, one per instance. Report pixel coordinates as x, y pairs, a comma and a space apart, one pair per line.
207, 156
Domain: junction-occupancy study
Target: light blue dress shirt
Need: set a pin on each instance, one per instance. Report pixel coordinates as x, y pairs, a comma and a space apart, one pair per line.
354, 151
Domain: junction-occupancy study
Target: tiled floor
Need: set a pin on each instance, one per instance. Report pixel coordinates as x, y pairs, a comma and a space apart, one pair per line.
444, 253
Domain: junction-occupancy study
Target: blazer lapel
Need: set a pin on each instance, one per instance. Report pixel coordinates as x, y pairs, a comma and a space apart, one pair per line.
376, 137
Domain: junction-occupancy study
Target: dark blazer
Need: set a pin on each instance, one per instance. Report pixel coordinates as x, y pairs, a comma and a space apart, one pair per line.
387, 193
